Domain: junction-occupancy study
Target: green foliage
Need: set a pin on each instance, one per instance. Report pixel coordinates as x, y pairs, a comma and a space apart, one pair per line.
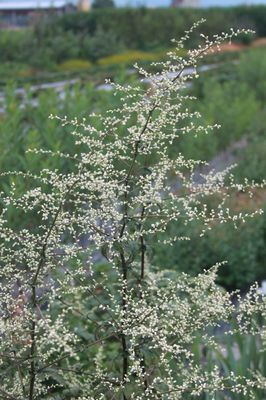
107, 31
236, 119
160, 25
16, 45
230, 96
241, 86
241, 354
101, 43
157, 320
29, 127
146, 29
11, 69
252, 69
244, 251
252, 161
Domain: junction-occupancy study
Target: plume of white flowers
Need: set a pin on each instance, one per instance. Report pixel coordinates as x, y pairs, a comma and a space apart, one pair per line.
83, 313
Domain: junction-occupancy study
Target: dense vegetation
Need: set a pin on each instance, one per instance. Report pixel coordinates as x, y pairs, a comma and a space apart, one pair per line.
89, 310
232, 95
103, 32
236, 101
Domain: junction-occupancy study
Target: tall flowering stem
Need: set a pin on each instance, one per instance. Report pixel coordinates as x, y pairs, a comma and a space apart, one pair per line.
84, 315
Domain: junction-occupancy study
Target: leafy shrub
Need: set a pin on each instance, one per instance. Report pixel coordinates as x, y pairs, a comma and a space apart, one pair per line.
252, 160
16, 45
9, 70
148, 29
243, 250
62, 47
101, 43
236, 121
252, 70
103, 32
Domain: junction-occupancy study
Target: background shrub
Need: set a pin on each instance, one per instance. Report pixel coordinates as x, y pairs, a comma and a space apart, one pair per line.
107, 31
244, 251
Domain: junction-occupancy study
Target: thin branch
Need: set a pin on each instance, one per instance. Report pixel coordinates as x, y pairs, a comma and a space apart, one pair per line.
142, 246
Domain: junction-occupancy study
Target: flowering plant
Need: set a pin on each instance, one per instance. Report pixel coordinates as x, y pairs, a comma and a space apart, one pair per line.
83, 313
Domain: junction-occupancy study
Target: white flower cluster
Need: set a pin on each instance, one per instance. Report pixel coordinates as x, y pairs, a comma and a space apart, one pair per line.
83, 314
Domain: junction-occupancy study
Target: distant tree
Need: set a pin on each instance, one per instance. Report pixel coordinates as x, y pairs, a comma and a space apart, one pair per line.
103, 4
